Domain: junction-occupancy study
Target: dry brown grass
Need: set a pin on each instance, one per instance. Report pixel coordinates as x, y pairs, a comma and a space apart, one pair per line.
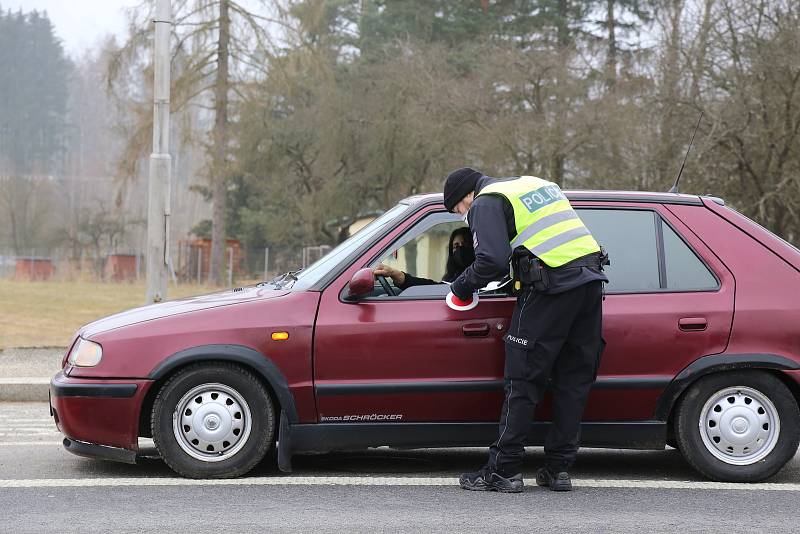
47, 314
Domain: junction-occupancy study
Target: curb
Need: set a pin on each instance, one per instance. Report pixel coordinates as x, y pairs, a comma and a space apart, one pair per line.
24, 389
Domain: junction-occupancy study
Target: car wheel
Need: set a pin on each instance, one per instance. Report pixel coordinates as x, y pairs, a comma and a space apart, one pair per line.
740, 426
213, 421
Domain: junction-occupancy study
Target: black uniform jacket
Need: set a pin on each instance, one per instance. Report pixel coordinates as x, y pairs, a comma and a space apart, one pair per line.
491, 221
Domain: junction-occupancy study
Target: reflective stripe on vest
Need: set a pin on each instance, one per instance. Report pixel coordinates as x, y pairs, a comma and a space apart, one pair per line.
545, 222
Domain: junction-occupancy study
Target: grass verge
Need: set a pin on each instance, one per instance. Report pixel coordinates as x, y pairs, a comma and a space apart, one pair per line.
47, 314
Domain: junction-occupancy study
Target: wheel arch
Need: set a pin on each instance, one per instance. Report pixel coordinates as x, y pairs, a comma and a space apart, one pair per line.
719, 363
252, 360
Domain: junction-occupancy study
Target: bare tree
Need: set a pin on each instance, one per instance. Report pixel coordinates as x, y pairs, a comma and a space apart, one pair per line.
754, 107
218, 44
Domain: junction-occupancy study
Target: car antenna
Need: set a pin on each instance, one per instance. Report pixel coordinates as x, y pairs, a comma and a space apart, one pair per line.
674, 188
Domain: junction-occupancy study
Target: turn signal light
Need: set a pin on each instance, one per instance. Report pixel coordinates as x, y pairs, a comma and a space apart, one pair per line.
280, 336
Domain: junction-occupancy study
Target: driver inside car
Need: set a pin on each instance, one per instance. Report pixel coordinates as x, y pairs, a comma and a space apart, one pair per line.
460, 254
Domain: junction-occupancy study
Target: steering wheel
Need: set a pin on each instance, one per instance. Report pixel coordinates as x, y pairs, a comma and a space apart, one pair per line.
386, 286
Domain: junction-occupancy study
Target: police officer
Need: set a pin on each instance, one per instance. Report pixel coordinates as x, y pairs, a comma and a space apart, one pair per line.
554, 339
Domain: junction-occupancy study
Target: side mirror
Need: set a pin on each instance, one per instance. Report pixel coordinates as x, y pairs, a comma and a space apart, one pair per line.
361, 285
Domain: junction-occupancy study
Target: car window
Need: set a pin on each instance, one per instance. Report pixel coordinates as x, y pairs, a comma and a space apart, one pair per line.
425, 255
684, 270
633, 240
629, 237
422, 252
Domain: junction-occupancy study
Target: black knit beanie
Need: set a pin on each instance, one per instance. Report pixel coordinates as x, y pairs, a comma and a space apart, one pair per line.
459, 184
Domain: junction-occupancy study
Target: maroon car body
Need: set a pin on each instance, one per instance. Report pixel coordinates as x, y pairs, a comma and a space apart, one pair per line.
410, 372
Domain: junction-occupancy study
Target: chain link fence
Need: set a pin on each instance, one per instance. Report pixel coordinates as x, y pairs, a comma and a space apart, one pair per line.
266, 263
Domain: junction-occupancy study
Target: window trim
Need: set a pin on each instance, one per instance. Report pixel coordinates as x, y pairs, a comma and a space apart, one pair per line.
662, 261
662, 253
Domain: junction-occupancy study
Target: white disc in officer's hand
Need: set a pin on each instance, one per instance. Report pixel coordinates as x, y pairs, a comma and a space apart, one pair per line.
455, 303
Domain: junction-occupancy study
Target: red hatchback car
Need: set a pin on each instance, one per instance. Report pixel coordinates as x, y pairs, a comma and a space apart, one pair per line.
701, 317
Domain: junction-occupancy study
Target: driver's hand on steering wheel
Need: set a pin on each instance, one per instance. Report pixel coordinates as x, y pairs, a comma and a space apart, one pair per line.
397, 276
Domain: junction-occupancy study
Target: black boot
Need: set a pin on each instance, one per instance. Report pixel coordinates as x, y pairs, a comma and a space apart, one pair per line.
489, 480
559, 481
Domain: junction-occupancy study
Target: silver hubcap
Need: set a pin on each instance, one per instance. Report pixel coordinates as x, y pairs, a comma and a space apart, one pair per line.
211, 422
739, 425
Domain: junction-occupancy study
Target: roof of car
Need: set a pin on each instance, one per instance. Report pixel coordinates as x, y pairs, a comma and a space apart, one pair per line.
582, 194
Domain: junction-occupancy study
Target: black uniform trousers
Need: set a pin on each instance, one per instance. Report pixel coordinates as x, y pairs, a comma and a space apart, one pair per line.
554, 341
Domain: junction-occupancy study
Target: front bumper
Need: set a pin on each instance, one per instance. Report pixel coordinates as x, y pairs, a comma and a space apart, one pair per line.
94, 413
102, 452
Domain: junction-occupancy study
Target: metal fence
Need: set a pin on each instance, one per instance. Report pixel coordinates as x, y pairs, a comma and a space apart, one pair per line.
189, 262
265, 263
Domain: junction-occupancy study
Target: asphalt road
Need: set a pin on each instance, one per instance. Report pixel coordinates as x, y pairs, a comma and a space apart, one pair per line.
46, 489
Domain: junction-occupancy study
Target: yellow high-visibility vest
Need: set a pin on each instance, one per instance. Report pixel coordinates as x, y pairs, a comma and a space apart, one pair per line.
545, 222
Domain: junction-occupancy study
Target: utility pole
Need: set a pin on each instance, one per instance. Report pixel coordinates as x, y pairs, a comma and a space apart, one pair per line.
158, 205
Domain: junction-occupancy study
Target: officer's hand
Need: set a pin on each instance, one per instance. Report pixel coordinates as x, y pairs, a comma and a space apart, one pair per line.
397, 276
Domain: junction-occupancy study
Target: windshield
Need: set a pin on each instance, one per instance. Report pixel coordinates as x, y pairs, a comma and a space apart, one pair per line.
311, 275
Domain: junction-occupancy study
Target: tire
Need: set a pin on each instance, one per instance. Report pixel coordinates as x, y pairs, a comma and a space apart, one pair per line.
213, 420
741, 426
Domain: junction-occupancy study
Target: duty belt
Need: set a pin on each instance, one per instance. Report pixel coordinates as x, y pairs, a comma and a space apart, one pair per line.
597, 260
531, 271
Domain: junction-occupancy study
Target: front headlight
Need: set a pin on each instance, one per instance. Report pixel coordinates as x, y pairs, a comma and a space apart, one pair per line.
85, 353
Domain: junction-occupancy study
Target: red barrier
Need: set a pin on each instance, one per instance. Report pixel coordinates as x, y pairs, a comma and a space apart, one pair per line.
121, 267
34, 269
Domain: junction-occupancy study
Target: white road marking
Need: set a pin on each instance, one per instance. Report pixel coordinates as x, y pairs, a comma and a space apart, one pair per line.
28, 433
41, 424
12, 431
29, 443
8, 428
23, 424
24, 380
15, 421
376, 481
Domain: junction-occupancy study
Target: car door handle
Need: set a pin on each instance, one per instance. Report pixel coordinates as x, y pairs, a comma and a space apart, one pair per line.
692, 324
475, 330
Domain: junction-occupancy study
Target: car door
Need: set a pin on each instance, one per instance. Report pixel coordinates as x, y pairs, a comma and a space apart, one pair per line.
669, 301
409, 358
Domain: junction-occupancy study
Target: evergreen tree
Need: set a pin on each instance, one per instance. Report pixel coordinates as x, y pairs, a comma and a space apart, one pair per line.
33, 85
33, 82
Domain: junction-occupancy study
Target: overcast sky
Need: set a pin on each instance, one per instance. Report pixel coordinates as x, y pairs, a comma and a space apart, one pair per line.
79, 23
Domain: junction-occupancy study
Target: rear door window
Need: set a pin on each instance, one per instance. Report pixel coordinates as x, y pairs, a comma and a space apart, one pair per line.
646, 254
629, 237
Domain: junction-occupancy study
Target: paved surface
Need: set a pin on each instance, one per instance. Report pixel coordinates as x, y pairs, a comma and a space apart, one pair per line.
46, 489
25, 373
30, 362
